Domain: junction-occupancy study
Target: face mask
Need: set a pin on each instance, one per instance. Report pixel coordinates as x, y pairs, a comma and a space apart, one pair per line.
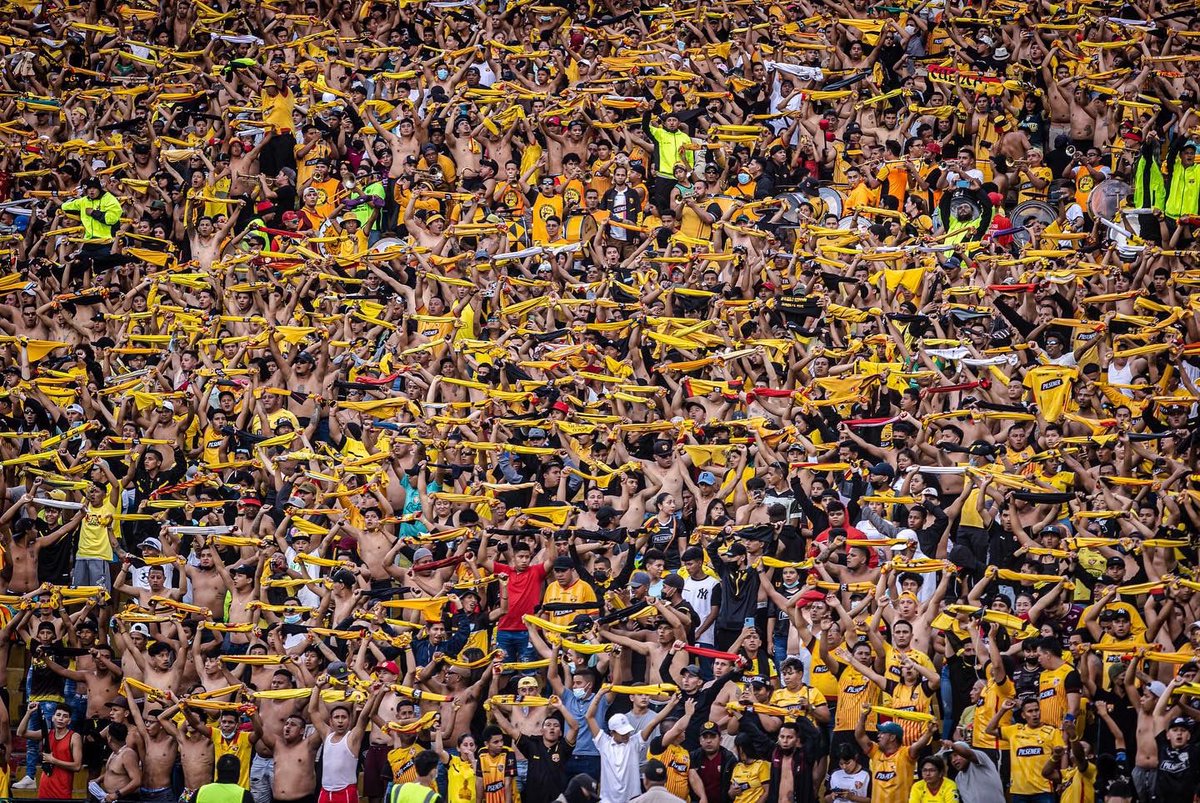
443, 73
572, 666
579, 693
743, 178
910, 29
292, 619
791, 586
600, 575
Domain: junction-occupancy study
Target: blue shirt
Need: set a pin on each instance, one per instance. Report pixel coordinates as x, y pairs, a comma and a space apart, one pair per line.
585, 745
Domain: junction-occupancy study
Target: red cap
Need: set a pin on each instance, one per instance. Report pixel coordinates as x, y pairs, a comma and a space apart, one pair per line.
809, 597
389, 666
347, 542
996, 198
288, 217
263, 206
561, 406
252, 501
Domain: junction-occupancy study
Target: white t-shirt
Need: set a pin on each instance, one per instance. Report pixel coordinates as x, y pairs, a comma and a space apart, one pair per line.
620, 767
856, 783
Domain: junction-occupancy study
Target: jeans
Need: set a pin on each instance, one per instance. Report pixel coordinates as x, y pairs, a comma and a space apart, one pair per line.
515, 644
262, 777
588, 765
39, 720
779, 645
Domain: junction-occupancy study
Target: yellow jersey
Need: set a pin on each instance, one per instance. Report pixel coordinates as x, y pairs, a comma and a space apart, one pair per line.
94, 542
497, 772
1053, 687
756, 775
993, 696
678, 762
238, 746
946, 793
1078, 786
891, 776
577, 593
1028, 749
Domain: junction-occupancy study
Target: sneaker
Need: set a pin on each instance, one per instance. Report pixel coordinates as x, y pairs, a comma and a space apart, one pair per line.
25, 783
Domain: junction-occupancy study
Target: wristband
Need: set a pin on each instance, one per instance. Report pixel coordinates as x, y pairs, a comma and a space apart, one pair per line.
1069, 718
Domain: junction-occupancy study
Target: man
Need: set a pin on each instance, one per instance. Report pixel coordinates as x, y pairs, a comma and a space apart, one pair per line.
547, 755
703, 592
422, 790
791, 768
62, 751
122, 775
712, 765
1179, 761
294, 754
1029, 746
341, 740
654, 778
567, 596
892, 764
227, 740
524, 580
496, 772
99, 212
974, 772
622, 749
1059, 685
225, 789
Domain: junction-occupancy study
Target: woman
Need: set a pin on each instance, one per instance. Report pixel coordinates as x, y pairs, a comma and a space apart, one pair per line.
934, 786
460, 768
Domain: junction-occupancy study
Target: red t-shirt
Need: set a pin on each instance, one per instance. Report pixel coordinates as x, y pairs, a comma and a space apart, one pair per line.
524, 593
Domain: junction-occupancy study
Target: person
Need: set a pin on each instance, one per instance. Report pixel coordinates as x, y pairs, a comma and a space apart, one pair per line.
225, 788
621, 749
1030, 744
421, 790
654, 781
62, 751
934, 786
892, 764
974, 772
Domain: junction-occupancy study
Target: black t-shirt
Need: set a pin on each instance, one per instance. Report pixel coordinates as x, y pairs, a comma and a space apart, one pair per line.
547, 767
1178, 770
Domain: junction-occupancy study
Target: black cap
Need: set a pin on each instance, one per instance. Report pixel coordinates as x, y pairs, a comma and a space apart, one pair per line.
674, 581
662, 447
93, 183
709, 727
691, 669
563, 562
1116, 560
655, 771
1182, 722
737, 549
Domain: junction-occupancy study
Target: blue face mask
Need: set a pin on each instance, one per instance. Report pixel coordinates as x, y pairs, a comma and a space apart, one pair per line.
443, 73
292, 619
743, 178
579, 693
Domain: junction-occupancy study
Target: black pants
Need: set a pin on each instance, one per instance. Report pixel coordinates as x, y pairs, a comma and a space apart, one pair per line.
277, 154
660, 195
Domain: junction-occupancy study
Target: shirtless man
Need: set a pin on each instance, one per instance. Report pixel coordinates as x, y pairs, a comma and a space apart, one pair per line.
157, 578
25, 544
207, 239
522, 720
295, 752
161, 668
575, 141
243, 165
100, 683
159, 753
242, 584
122, 774
375, 541
208, 585
195, 750
465, 149
403, 145
457, 713
655, 645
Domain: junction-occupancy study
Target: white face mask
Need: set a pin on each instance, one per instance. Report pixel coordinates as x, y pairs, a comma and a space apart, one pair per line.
910, 29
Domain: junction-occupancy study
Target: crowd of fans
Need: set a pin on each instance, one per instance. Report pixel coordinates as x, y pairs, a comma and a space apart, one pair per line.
440, 401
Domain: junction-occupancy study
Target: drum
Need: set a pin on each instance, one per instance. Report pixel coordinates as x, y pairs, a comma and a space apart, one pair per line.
579, 228
791, 206
1106, 198
1031, 210
833, 201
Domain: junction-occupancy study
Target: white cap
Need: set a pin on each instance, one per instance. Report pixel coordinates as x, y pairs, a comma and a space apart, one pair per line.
167, 404
620, 724
1157, 688
140, 628
909, 536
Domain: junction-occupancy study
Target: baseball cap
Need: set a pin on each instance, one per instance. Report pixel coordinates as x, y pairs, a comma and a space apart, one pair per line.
673, 581
140, 628
563, 562
1116, 560
75, 408
527, 682
691, 669
892, 728
338, 669
1157, 688
709, 727
883, 469
655, 771
152, 543
537, 432
736, 549
288, 217
167, 404
389, 666
1181, 722
620, 724
706, 478
639, 579
909, 536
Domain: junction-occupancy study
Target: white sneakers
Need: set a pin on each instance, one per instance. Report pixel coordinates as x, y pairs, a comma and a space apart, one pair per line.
25, 783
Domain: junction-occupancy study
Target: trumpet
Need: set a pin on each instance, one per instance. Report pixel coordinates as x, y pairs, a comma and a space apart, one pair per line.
1072, 151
